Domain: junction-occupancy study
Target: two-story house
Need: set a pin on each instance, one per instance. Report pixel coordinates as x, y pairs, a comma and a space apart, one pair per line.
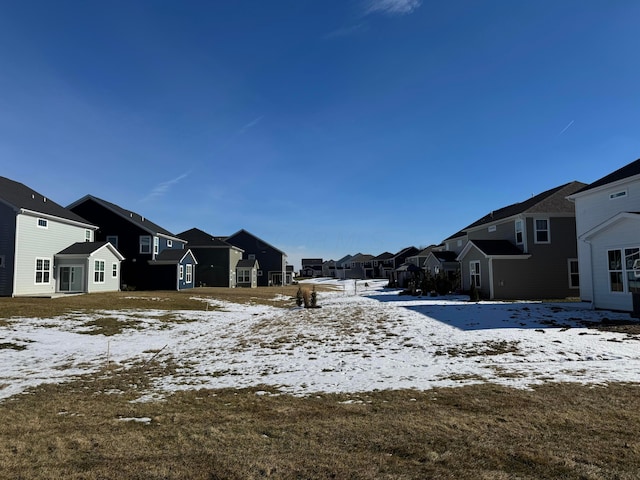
46, 249
217, 259
155, 259
361, 266
608, 230
311, 267
272, 261
526, 250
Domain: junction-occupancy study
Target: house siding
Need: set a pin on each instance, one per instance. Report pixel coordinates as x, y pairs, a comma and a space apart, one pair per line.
472, 255
7, 248
271, 261
34, 242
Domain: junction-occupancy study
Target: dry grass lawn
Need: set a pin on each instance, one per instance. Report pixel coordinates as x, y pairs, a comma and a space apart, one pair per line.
93, 428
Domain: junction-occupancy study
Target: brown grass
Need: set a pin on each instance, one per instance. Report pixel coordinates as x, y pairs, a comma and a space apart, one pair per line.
77, 431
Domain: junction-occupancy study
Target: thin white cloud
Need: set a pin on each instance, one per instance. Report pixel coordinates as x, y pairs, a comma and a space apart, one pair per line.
345, 31
251, 124
566, 128
162, 188
392, 7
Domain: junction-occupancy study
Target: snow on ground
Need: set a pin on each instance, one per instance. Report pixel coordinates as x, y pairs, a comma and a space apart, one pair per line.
363, 338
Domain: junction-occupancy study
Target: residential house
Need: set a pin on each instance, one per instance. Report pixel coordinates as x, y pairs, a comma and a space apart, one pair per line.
247, 273
525, 250
341, 267
217, 259
272, 261
382, 265
397, 274
148, 264
419, 258
47, 249
361, 266
444, 262
608, 231
311, 267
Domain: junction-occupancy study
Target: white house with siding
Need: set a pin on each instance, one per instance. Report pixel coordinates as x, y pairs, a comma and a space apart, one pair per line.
608, 230
35, 232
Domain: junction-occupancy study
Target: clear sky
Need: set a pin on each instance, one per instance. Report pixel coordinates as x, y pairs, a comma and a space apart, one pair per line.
325, 127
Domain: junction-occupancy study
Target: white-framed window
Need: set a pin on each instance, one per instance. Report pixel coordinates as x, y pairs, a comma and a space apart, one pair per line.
251, 256
614, 258
145, 244
43, 223
114, 270
620, 194
189, 273
492, 228
87, 235
519, 226
542, 232
244, 275
43, 270
631, 266
98, 271
474, 271
169, 243
181, 269
156, 245
574, 273
113, 240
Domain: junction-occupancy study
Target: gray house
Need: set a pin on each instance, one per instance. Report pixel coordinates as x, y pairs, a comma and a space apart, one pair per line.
247, 273
47, 249
272, 261
526, 250
217, 259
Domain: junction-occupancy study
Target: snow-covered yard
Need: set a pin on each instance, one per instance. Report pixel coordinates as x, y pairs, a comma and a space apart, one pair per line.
372, 339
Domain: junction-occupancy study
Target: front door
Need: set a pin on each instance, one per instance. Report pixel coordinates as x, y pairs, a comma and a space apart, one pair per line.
71, 279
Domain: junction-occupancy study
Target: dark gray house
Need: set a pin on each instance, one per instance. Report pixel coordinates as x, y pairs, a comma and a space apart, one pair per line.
144, 245
272, 261
217, 259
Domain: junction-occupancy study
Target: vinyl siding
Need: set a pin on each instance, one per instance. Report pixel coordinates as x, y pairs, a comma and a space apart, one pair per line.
34, 242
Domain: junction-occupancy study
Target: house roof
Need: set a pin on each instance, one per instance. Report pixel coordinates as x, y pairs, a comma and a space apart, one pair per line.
172, 255
19, 196
199, 238
408, 267
550, 201
242, 230
247, 263
129, 215
406, 251
311, 261
627, 171
496, 247
384, 256
87, 248
445, 255
361, 257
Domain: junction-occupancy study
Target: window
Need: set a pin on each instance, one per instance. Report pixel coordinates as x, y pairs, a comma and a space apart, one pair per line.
43, 270
189, 273
620, 194
615, 271
244, 275
459, 243
87, 235
542, 230
98, 271
114, 270
492, 228
43, 223
145, 244
631, 260
474, 269
574, 273
156, 245
169, 243
519, 232
252, 256
181, 272
113, 240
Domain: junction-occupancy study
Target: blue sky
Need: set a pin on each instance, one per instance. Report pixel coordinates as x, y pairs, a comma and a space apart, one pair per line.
324, 127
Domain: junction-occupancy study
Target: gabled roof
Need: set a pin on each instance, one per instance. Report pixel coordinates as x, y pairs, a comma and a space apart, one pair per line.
247, 263
87, 248
21, 197
406, 251
384, 256
131, 216
630, 170
551, 201
242, 230
198, 238
445, 255
361, 257
172, 256
494, 248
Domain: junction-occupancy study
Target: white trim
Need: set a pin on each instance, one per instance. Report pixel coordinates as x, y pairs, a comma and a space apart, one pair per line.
570, 273
473, 273
156, 246
607, 223
140, 244
536, 230
44, 225
618, 194
522, 230
114, 270
188, 273
33, 213
181, 272
43, 270
97, 271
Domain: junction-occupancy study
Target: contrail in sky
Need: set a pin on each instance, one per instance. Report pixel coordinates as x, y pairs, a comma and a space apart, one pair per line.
566, 128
